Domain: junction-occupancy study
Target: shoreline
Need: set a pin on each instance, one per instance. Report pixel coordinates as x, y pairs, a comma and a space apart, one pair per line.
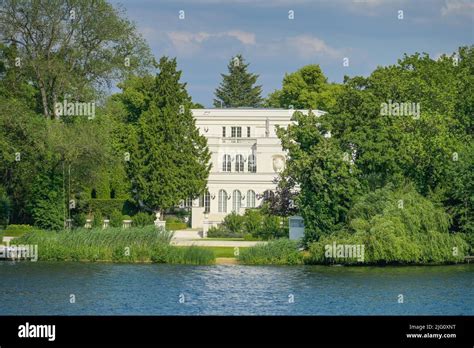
235, 261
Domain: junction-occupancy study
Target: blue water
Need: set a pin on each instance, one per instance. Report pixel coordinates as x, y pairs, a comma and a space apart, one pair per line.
41, 288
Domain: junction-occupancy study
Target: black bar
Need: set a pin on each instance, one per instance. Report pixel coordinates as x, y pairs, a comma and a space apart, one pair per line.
224, 331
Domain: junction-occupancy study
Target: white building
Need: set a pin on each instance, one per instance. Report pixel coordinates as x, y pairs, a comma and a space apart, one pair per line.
246, 158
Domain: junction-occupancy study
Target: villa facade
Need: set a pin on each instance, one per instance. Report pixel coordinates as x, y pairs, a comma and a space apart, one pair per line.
246, 157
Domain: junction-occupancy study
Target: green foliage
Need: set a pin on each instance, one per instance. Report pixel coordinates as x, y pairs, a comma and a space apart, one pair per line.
234, 223
396, 226
5, 207
142, 219
169, 158
253, 221
174, 223
369, 150
306, 88
61, 58
106, 206
222, 232
98, 220
253, 225
79, 220
328, 182
47, 204
116, 218
146, 244
173, 226
17, 230
277, 252
238, 89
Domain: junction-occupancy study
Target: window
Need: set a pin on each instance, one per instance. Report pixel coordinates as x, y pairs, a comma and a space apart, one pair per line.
226, 164
248, 132
222, 201
205, 201
250, 199
252, 164
188, 202
239, 163
236, 201
223, 132
236, 132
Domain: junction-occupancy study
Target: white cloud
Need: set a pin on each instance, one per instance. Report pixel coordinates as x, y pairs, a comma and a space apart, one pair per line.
300, 46
189, 42
308, 46
458, 7
245, 37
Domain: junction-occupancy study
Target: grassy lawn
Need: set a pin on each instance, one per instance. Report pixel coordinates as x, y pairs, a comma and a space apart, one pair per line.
222, 251
229, 239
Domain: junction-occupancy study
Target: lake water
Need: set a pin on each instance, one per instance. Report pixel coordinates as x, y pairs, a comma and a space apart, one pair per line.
41, 288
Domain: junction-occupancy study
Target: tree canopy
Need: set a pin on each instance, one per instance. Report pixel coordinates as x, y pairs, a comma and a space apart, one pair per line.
238, 88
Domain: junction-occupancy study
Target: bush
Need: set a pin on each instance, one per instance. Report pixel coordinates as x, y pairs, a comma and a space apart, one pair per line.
234, 223
403, 228
115, 218
253, 221
142, 219
79, 220
98, 220
108, 206
277, 252
222, 232
46, 203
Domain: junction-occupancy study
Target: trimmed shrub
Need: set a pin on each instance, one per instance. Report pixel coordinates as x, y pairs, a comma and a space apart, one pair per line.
108, 206
115, 218
98, 220
142, 219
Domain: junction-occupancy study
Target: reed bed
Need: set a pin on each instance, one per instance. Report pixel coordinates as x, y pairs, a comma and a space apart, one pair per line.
139, 244
276, 252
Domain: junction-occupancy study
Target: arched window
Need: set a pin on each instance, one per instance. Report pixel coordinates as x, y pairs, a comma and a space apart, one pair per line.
226, 164
222, 201
205, 201
236, 201
252, 164
250, 199
239, 163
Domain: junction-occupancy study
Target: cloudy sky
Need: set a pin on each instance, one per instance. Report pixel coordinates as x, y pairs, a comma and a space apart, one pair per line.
368, 32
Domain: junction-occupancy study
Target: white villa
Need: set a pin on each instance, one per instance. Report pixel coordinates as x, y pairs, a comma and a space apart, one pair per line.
246, 158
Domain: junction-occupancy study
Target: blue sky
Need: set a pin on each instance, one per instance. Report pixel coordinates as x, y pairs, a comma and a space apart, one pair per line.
323, 32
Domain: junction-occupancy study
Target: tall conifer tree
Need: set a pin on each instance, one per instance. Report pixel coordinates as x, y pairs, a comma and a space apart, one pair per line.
170, 159
238, 87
